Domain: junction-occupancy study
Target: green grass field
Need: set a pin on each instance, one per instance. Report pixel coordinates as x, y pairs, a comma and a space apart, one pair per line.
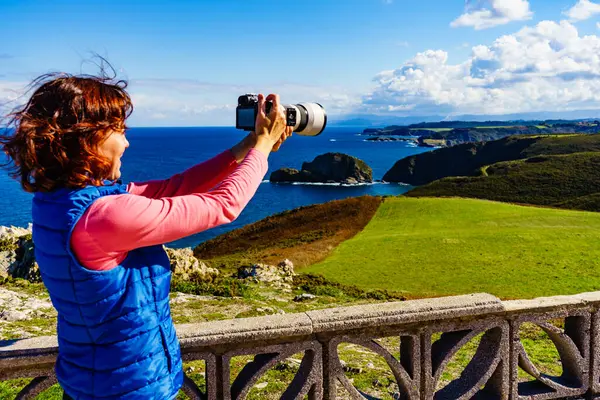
495, 127
436, 246
433, 247
432, 129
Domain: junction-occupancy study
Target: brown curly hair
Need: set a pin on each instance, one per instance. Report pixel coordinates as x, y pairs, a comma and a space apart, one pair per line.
53, 141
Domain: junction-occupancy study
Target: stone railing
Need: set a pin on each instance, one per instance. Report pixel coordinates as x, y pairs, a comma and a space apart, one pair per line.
428, 333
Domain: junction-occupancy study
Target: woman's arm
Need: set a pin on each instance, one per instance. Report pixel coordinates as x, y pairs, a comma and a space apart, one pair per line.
199, 178
114, 225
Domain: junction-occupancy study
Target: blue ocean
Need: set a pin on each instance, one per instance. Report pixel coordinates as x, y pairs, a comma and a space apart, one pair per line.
158, 153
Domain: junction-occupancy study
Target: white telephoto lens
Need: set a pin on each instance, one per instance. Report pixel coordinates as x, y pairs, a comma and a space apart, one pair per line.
311, 118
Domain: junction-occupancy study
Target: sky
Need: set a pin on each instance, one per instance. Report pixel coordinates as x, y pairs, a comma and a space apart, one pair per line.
188, 61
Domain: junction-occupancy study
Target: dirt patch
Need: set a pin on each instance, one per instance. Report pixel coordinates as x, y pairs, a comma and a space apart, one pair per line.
304, 235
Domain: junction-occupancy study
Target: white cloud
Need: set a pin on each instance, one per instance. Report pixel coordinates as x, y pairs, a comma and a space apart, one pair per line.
584, 9
549, 67
180, 102
483, 14
189, 102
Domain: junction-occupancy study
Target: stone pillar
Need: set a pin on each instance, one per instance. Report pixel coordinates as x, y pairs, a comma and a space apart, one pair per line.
485, 376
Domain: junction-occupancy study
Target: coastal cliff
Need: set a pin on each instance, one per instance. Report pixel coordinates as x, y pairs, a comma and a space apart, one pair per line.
468, 159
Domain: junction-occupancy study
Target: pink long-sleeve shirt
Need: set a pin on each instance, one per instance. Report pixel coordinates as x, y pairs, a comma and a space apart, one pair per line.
161, 211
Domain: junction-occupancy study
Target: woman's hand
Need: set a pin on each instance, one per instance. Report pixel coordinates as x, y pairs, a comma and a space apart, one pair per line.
286, 134
241, 149
269, 128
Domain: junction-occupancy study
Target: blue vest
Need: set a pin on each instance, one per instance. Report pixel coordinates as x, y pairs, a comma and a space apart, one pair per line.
115, 333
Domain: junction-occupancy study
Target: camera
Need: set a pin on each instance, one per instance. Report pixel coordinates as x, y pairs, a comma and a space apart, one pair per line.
308, 119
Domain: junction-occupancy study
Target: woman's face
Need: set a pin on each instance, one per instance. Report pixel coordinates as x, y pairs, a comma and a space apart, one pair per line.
113, 148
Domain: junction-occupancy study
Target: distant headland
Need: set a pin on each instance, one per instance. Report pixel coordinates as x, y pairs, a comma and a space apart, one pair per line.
451, 133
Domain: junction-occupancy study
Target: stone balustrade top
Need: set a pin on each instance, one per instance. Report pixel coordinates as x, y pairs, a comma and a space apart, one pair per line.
336, 320
430, 332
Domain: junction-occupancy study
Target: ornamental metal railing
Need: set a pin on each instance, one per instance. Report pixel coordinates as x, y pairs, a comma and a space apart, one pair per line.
427, 334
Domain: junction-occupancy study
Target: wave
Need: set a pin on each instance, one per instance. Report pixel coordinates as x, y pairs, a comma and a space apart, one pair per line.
389, 141
336, 183
333, 140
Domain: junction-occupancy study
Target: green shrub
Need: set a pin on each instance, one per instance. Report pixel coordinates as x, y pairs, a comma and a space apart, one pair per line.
224, 287
320, 286
8, 244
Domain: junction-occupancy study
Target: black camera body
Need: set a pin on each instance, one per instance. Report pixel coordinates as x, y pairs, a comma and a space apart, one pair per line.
307, 119
247, 110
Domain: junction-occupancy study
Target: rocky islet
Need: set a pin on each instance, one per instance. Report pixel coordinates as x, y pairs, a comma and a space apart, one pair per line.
327, 168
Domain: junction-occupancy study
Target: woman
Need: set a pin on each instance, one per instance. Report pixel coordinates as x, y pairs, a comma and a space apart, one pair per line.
98, 243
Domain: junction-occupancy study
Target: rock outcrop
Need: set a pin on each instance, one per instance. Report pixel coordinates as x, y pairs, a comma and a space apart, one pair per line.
17, 258
186, 266
327, 168
280, 276
20, 306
